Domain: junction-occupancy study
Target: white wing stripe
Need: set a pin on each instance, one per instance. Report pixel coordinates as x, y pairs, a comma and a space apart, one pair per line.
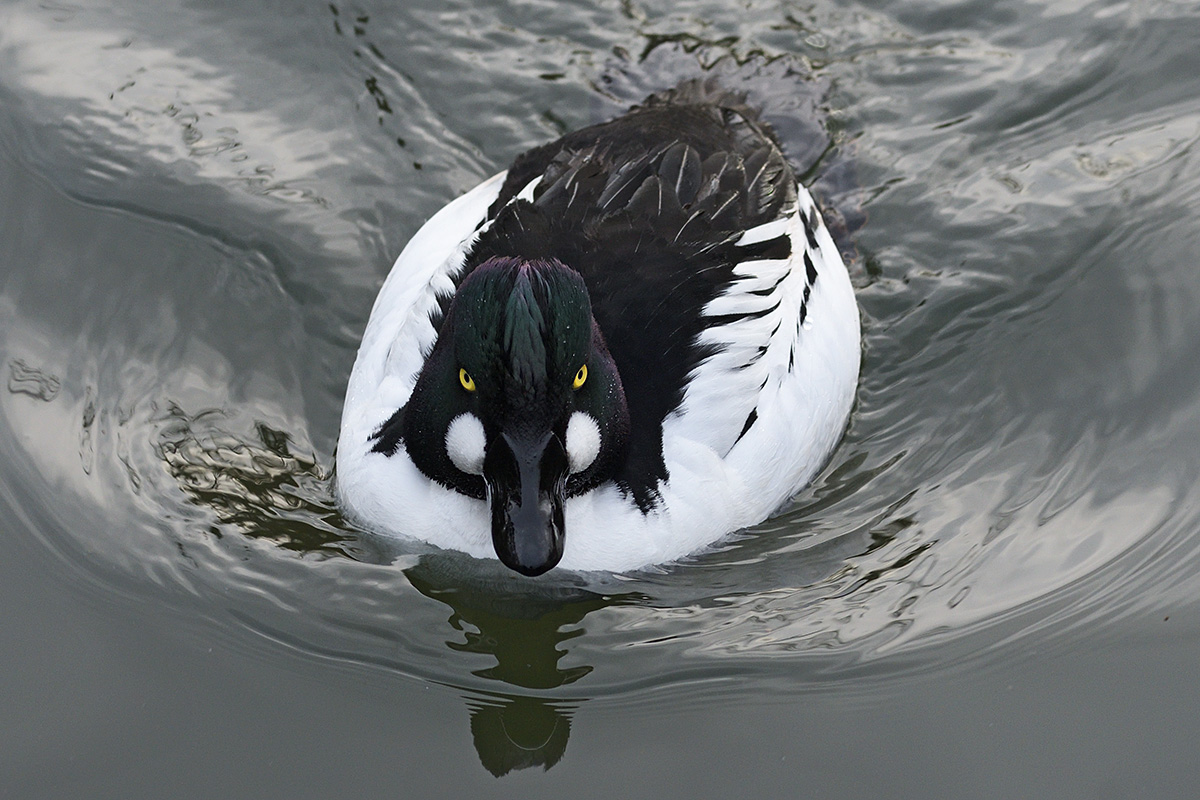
768, 230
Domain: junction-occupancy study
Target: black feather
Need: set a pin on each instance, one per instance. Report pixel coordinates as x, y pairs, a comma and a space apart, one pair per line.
390, 434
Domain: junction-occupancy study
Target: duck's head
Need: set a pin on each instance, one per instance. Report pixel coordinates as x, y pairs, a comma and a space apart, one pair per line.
519, 403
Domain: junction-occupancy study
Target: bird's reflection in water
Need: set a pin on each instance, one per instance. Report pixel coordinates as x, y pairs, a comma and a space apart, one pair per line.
517, 732
525, 632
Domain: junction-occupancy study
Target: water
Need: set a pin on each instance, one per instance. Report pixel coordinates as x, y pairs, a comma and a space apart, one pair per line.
992, 590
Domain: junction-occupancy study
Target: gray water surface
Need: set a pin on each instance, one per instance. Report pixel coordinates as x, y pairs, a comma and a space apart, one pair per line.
993, 590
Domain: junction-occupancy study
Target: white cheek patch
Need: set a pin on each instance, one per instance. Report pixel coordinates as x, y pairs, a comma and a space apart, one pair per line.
583, 441
465, 443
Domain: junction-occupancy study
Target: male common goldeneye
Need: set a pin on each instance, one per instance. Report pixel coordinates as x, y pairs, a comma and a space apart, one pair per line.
637, 339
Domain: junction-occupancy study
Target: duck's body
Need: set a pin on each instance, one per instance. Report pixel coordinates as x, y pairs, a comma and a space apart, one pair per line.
723, 350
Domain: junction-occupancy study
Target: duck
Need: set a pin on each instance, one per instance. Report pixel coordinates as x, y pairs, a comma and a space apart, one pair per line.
636, 340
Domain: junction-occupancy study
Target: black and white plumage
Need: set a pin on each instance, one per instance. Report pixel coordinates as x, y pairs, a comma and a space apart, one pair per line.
710, 290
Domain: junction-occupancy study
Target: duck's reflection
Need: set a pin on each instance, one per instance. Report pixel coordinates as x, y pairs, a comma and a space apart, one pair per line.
517, 732
525, 632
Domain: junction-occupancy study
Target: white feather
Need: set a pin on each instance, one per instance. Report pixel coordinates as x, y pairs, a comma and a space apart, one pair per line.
768, 230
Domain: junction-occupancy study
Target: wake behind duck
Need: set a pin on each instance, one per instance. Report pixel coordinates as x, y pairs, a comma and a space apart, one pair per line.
637, 339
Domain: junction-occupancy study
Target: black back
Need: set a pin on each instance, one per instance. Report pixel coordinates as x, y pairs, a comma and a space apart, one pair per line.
646, 208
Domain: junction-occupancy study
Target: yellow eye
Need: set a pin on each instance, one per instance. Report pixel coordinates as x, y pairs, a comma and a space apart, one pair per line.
580, 377
466, 380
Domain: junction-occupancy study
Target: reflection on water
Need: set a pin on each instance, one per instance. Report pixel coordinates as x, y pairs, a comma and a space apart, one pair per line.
521, 631
518, 732
526, 634
259, 487
25, 379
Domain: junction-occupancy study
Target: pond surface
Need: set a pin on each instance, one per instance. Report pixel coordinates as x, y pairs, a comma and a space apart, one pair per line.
993, 589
